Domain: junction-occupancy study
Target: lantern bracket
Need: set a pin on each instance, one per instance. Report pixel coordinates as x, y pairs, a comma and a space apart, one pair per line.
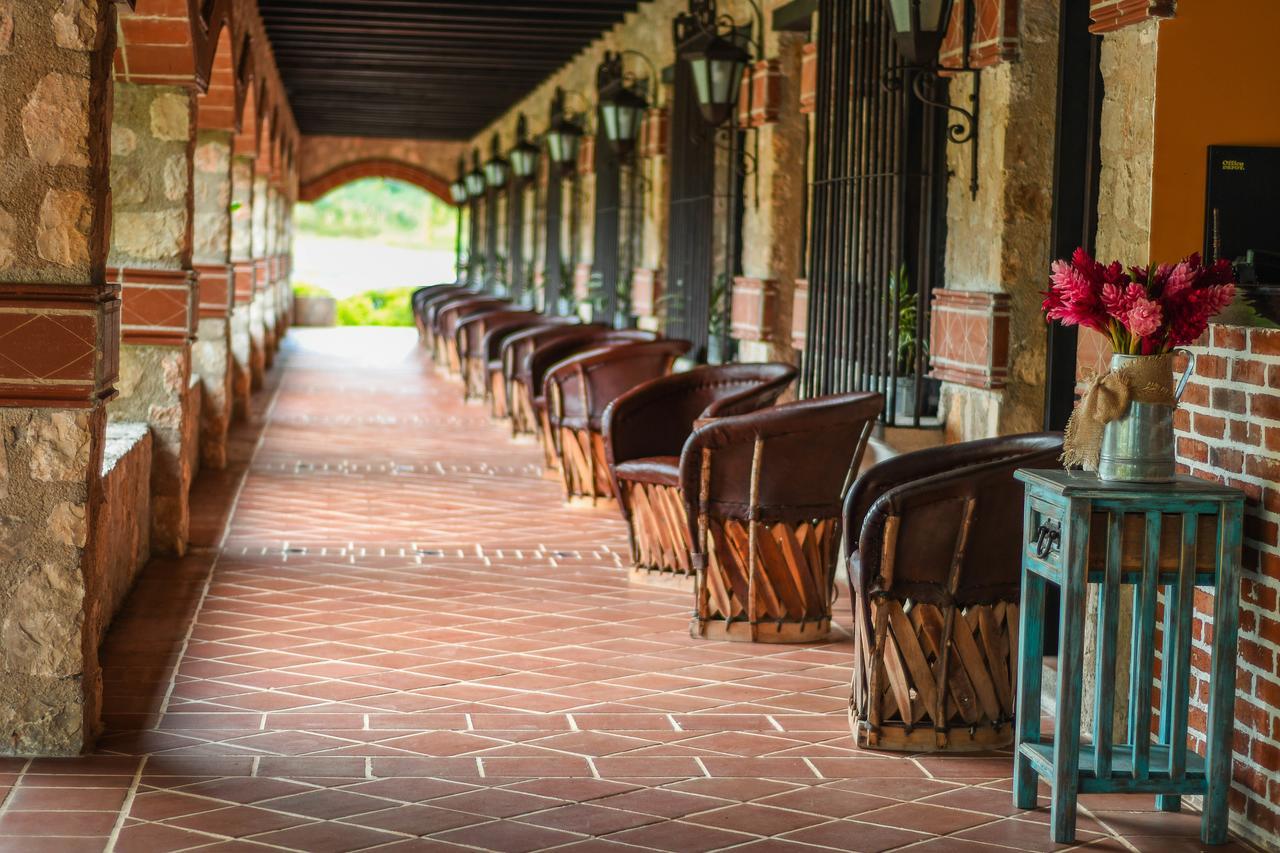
964, 129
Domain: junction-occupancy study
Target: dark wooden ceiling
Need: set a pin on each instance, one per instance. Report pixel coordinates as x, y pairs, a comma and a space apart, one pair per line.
423, 68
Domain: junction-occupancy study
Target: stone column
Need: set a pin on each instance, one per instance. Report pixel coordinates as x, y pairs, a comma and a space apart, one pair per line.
268, 293
257, 323
243, 277
212, 356
59, 338
153, 148
283, 229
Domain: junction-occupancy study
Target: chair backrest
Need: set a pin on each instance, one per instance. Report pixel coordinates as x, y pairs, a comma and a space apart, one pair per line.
588, 381
497, 333
431, 303
516, 348
656, 418
791, 462
448, 313
471, 328
534, 369
926, 496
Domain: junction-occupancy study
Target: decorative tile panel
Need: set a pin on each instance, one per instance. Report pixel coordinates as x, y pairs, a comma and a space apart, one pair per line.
752, 308
59, 344
1111, 15
809, 78
745, 90
581, 281
159, 307
766, 92
244, 280
653, 133
995, 34
646, 290
800, 314
260, 275
969, 337
216, 292
587, 155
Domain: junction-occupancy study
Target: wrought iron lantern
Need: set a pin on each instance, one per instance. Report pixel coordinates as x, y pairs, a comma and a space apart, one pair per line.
713, 46
495, 168
524, 156
475, 178
623, 101
564, 134
458, 189
919, 26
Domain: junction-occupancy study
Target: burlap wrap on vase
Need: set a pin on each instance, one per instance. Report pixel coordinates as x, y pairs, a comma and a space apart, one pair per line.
1107, 398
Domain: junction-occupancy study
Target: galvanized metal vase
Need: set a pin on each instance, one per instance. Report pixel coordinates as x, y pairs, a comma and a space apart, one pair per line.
1139, 446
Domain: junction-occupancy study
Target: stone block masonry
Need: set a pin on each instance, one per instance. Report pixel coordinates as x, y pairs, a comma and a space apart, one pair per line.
1228, 429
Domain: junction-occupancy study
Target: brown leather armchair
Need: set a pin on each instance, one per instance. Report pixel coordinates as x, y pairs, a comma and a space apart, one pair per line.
422, 295
580, 388
544, 356
515, 353
469, 337
934, 566
495, 344
645, 430
426, 305
763, 493
447, 316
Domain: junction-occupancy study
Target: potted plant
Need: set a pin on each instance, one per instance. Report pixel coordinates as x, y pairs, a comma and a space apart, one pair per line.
1122, 427
717, 328
314, 306
912, 351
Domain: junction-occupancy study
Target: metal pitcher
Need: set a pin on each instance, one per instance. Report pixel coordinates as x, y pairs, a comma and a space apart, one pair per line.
1139, 447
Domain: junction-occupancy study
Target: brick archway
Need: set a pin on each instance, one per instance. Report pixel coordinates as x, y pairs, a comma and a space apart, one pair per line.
375, 168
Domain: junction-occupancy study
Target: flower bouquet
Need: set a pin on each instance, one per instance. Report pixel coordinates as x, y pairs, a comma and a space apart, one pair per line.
1123, 425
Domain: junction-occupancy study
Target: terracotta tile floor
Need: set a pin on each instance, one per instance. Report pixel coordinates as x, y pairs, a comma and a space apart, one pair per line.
405, 642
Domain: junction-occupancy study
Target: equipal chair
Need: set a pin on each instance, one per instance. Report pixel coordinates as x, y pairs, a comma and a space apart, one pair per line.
763, 494
495, 344
645, 430
423, 302
515, 354
469, 338
580, 388
447, 316
934, 564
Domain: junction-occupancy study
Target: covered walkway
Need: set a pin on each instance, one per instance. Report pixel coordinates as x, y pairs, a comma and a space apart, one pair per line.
402, 633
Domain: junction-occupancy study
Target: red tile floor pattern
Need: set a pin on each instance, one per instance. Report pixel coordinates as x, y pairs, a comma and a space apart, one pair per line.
404, 642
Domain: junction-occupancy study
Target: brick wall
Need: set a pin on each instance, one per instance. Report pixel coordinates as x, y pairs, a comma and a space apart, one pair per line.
1228, 429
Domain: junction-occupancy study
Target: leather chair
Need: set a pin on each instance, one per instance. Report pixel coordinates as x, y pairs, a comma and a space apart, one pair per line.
494, 344
580, 388
763, 493
445, 323
515, 353
537, 363
934, 566
645, 430
423, 312
468, 338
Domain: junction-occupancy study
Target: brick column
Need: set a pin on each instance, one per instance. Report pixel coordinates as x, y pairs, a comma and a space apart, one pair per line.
153, 147
212, 356
242, 166
257, 323
59, 335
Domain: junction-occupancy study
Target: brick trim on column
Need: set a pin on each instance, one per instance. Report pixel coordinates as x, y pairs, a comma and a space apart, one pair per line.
646, 290
158, 307
808, 78
752, 308
800, 314
216, 293
653, 133
995, 35
244, 278
1111, 15
59, 344
969, 337
587, 155
766, 92
260, 280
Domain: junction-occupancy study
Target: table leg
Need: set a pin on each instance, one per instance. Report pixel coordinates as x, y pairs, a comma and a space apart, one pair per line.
1066, 731
1176, 661
1222, 684
1030, 666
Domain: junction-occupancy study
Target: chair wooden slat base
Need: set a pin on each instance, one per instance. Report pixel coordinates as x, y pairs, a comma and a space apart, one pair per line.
914, 691
659, 529
497, 394
524, 420
584, 466
474, 378
551, 459
791, 579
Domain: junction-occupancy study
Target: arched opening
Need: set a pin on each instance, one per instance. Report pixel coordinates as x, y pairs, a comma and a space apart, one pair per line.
366, 244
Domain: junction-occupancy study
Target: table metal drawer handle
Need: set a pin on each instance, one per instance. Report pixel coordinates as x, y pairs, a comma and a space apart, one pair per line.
1048, 536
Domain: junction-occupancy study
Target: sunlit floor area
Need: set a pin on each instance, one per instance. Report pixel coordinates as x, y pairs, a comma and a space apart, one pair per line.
393, 635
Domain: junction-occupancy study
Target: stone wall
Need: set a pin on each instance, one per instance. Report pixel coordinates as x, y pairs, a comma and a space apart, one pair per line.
122, 527
328, 161
999, 241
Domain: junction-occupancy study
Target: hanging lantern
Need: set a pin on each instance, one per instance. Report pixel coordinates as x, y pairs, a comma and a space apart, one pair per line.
495, 168
919, 26
458, 191
562, 140
717, 66
524, 157
475, 178
620, 114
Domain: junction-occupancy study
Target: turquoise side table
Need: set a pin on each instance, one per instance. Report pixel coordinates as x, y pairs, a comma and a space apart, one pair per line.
1201, 526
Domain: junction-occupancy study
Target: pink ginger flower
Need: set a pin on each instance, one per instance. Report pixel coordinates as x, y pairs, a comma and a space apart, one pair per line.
1144, 318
